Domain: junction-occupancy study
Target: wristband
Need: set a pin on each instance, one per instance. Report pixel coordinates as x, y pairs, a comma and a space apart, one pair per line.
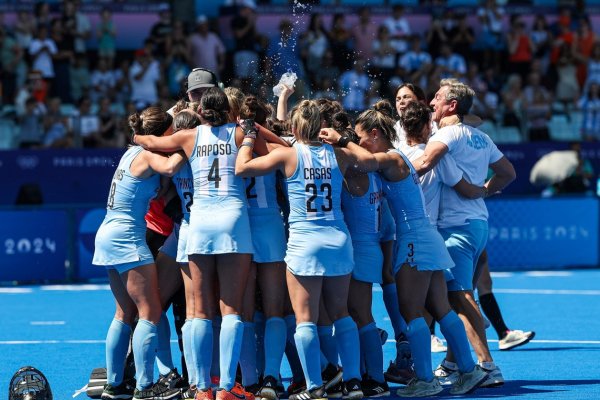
485, 192
249, 144
344, 140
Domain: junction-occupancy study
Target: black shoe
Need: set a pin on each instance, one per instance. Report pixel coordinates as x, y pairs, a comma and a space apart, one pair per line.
157, 392
316, 393
353, 390
336, 391
372, 388
172, 380
254, 388
332, 375
189, 393
268, 389
296, 387
123, 391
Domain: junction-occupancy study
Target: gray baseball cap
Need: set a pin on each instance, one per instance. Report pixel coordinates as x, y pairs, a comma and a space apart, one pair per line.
201, 78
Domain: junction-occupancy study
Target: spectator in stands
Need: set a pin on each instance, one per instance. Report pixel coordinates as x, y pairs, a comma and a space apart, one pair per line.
84, 28
520, 48
123, 84
363, 34
450, 64
35, 87
589, 105
177, 60
584, 43
62, 62
80, 78
567, 87
384, 55
103, 81
56, 126
462, 37
205, 48
68, 24
439, 32
107, 35
11, 56
593, 66
109, 136
492, 35
30, 124
537, 108
41, 50
339, 40
512, 102
161, 31
314, 44
24, 28
41, 14
245, 58
144, 75
399, 28
415, 64
327, 74
85, 125
353, 88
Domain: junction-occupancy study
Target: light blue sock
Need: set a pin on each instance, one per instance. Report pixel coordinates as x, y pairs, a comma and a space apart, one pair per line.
188, 353
370, 347
145, 343
291, 353
390, 299
248, 355
216, 356
454, 331
259, 328
348, 344
419, 339
275, 338
230, 346
164, 360
117, 344
328, 345
202, 350
307, 343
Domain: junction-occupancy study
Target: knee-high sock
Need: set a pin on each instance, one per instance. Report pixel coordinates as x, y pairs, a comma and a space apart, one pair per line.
216, 357
117, 345
328, 344
346, 337
291, 353
202, 350
248, 355
492, 311
274, 346
164, 360
259, 328
186, 332
144, 352
454, 331
230, 346
419, 340
307, 343
390, 299
370, 347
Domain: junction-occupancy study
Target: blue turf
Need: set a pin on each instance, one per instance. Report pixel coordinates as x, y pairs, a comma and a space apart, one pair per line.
539, 370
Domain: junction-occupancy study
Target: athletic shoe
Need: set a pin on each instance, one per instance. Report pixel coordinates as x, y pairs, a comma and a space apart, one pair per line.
514, 339
446, 375
122, 391
353, 390
223, 394
331, 376
383, 335
437, 346
317, 393
240, 390
296, 387
172, 380
268, 390
420, 388
189, 393
469, 381
157, 392
494, 378
204, 394
399, 375
372, 388
336, 391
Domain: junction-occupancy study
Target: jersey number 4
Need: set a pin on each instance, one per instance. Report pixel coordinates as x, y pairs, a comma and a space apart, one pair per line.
312, 189
213, 173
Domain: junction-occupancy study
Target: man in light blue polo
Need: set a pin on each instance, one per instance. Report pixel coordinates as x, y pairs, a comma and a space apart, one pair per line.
463, 222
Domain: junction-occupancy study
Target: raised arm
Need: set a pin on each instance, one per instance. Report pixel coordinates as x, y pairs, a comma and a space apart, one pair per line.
504, 174
282, 102
247, 166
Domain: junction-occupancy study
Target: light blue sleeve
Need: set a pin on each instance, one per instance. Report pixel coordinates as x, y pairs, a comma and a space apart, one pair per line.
387, 228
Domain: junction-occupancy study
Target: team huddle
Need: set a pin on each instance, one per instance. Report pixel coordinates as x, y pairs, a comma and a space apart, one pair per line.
286, 221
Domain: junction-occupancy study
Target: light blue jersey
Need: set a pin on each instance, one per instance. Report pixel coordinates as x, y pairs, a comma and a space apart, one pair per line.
184, 184
314, 190
363, 213
261, 192
121, 238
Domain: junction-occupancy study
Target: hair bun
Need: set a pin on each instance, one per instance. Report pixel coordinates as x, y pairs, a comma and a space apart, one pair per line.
384, 107
135, 123
340, 120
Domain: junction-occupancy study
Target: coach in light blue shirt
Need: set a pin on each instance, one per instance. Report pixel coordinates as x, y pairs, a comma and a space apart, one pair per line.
463, 222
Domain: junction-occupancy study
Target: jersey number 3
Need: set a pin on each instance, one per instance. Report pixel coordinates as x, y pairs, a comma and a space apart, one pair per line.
312, 189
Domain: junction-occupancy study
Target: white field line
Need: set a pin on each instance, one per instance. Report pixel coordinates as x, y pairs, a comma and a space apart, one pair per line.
47, 322
592, 342
550, 291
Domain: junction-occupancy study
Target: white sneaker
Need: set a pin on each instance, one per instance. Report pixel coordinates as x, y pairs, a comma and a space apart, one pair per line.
419, 388
437, 346
514, 339
494, 378
445, 375
469, 381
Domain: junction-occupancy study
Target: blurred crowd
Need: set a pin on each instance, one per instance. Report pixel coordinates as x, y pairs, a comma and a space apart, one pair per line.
529, 74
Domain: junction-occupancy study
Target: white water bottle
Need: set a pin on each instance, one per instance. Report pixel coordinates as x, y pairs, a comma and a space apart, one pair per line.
288, 79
